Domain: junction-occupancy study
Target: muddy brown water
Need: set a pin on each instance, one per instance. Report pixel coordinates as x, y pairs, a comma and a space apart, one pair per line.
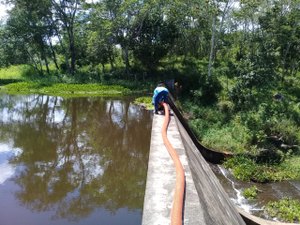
267, 192
72, 161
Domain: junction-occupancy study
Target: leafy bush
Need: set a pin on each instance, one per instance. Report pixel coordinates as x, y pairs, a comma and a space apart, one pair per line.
246, 169
226, 106
232, 137
241, 166
207, 93
287, 130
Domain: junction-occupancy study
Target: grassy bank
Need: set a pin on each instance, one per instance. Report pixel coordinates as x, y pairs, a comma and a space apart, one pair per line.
265, 141
22, 79
263, 131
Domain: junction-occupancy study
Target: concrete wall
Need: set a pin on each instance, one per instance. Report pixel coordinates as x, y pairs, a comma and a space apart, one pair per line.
205, 200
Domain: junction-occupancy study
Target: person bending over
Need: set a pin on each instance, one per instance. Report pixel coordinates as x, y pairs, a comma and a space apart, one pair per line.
160, 95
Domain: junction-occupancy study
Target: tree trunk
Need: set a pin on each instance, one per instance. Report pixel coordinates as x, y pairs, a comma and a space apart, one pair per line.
53, 54
126, 59
112, 63
34, 65
41, 65
72, 50
103, 67
47, 65
212, 47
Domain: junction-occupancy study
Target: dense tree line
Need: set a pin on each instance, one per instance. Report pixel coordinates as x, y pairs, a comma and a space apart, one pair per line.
257, 41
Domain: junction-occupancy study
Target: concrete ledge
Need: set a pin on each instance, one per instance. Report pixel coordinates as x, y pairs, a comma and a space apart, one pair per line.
205, 200
161, 179
217, 207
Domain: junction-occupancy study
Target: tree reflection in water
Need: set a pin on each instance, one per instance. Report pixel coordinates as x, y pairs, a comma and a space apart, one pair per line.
77, 154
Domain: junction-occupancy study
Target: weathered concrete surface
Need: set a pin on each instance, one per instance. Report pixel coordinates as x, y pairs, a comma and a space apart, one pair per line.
161, 179
212, 206
215, 203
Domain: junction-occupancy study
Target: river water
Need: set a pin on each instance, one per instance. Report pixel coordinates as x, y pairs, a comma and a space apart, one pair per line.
72, 161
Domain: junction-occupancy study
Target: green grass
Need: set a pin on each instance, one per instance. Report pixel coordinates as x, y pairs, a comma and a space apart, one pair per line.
217, 130
13, 72
65, 90
286, 210
292, 165
229, 138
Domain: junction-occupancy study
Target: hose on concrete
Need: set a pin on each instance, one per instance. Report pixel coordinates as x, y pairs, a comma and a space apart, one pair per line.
177, 209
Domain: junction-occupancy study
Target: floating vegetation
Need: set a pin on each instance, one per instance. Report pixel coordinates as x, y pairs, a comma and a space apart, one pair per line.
250, 193
286, 210
65, 90
145, 101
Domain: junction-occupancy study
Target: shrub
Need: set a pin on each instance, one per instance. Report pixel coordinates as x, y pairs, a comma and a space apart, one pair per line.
287, 130
241, 166
225, 106
246, 169
207, 93
233, 137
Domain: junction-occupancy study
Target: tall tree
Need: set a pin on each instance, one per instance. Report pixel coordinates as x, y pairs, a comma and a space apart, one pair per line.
152, 36
29, 24
65, 12
218, 9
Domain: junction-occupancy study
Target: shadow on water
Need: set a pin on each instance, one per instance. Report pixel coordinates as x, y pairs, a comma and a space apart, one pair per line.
267, 191
80, 161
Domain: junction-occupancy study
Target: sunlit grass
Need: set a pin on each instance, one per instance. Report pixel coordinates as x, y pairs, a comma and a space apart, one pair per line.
13, 72
292, 165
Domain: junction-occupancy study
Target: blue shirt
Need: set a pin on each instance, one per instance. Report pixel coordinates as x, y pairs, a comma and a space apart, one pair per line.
156, 92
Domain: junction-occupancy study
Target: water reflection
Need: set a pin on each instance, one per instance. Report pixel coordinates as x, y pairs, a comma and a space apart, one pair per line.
74, 155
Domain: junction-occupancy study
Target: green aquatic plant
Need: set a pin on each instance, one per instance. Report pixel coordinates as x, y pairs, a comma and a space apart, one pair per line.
286, 210
65, 90
145, 101
250, 193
